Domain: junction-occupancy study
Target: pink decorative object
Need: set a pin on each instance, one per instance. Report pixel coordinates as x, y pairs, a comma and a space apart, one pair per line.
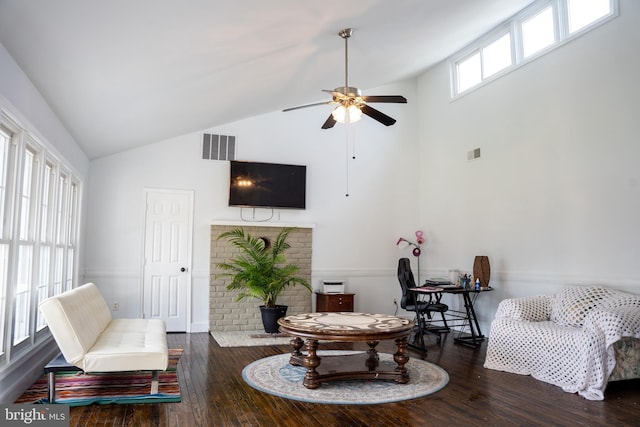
403, 243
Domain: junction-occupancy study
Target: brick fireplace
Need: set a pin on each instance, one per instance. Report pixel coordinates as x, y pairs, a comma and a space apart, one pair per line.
227, 314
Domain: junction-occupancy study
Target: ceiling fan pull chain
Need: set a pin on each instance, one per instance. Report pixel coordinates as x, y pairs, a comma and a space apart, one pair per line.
353, 143
347, 160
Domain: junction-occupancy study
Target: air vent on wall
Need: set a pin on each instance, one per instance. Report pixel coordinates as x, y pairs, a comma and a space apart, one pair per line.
473, 154
218, 147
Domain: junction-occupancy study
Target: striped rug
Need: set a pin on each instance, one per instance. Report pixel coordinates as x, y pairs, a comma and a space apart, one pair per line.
79, 389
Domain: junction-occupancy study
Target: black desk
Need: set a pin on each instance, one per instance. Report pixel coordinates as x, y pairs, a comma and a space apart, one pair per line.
461, 319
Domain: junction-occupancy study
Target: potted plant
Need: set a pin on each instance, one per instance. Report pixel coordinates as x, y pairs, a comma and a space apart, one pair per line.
260, 271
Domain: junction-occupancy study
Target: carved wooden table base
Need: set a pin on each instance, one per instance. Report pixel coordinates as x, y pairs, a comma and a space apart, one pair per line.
347, 327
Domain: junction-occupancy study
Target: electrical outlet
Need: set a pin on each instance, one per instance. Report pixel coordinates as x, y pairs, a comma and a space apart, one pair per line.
116, 306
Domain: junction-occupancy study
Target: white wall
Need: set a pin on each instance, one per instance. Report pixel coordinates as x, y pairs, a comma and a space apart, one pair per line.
555, 197
354, 237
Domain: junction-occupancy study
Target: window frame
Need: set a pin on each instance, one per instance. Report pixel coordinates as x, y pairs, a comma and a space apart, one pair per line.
36, 235
476, 47
514, 26
24, 236
499, 36
529, 15
12, 132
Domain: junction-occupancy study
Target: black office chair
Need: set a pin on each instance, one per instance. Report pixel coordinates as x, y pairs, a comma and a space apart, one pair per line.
424, 309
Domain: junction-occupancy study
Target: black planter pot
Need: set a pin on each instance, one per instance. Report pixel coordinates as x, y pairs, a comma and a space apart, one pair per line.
270, 316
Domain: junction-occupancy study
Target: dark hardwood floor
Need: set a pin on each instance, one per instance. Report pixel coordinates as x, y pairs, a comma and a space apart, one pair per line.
214, 394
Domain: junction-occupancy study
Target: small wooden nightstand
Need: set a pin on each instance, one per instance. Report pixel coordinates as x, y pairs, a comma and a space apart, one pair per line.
334, 302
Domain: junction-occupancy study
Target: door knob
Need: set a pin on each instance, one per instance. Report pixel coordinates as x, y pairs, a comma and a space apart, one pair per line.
183, 269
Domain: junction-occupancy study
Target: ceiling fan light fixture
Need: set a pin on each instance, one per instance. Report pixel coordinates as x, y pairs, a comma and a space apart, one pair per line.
351, 104
342, 114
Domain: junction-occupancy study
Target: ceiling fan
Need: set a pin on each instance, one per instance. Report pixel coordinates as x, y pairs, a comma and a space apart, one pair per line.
351, 103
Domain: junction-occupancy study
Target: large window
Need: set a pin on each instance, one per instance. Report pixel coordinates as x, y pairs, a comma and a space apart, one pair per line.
39, 202
541, 27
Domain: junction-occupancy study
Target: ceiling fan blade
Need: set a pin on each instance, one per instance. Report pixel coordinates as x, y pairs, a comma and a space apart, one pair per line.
385, 98
377, 115
329, 123
308, 105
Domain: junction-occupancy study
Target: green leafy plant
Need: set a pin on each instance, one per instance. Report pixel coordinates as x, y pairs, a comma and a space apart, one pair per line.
260, 269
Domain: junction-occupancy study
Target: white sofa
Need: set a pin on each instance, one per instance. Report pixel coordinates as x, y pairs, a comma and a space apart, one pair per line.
90, 339
578, 339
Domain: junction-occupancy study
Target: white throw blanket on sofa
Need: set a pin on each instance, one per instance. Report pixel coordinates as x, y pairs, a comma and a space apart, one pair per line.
564, 339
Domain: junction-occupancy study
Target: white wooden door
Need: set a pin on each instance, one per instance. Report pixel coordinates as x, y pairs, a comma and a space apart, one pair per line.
167, 257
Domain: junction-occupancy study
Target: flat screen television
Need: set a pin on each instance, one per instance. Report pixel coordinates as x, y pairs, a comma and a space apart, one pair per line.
267, 185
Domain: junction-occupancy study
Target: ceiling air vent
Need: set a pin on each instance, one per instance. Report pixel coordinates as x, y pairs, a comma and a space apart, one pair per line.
218, 147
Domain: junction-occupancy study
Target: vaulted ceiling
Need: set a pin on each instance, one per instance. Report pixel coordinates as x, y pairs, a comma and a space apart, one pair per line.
124, 73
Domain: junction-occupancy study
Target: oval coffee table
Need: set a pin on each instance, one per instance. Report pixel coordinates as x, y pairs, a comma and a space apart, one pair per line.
347, 327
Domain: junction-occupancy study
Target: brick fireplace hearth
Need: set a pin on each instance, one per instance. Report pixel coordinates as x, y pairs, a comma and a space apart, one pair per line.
227, 314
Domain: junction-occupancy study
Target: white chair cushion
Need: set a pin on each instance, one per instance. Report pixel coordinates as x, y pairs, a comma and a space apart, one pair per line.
574, 350
533, 309
90, 339
76, 319
129, 345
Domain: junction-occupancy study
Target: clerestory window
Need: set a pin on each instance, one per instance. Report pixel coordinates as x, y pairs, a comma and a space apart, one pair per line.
536, 30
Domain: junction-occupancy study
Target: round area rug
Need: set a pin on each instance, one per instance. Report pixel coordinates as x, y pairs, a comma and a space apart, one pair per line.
274, 375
